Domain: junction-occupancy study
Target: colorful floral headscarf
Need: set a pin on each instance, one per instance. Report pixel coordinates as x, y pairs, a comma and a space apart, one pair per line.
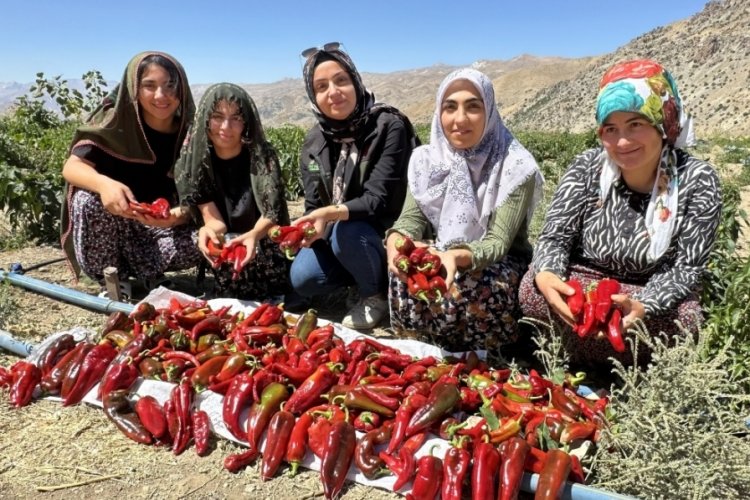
645, 87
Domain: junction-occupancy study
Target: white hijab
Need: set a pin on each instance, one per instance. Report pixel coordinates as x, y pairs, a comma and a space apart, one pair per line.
458, 190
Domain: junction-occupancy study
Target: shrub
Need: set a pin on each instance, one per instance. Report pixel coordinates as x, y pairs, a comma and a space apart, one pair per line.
287, 140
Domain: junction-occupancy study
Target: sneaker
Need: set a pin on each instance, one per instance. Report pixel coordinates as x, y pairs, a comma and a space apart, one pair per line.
352, 297
367, 313
126, 291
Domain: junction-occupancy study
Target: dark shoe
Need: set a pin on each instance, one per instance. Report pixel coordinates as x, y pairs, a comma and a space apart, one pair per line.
296, 303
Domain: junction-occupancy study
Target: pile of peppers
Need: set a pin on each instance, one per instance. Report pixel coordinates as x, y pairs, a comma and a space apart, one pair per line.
158, 209
595, 312
363, 404
290, 238
423, 270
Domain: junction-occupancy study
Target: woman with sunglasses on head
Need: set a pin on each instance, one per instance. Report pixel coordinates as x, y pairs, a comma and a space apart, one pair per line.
229, 177
353, 166
123, 155
638, 209
472, 192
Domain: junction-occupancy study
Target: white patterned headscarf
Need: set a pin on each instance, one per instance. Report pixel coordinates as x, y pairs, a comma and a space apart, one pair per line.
643, 86
459, 189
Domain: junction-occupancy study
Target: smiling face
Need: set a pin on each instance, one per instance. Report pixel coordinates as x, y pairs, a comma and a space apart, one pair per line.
632, 143
462, 115
334, 90
157, 96
225, 127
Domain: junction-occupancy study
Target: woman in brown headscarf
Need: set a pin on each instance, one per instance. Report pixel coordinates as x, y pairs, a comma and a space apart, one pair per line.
124, 154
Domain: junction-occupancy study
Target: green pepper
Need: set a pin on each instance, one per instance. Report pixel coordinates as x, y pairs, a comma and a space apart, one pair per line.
201, 377
305, 324
206, 341
443, 397
261, 412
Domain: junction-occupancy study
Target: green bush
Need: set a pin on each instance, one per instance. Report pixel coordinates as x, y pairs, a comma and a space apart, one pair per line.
287, 140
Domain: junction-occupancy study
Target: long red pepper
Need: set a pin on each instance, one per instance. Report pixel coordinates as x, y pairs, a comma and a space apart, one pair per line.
365, 457
151, 415
182, 400
455, 468
92, 369
238, 396
428, 480
25, 377
403, 415
201, 431
557, 466
575, 301
484, 471
54, 351
74, 368
279, 431
337, 457
312, 389
297, 446
261, 412
513, 454
614, 331
118, 410
442, 399
604, 291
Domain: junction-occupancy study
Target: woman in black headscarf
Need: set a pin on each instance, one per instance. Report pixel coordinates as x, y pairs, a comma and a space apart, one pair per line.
228, 175
353, 165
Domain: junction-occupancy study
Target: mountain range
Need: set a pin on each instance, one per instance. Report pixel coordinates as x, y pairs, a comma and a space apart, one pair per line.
708, 55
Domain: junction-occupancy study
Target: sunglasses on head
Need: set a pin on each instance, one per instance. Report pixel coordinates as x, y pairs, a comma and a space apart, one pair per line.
307, 53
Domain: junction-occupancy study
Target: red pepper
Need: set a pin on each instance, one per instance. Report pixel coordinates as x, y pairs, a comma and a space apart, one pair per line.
416, 256
238, 396
442, 400
556, 469
483, 473
238, 255
92, 369
404, 245
291, 243
174, 368
562, 402
438, 288
337, 457
367, 421
151, 414
253, 317
70, 376
403, 415
419, 286
380, 398
297, 445
513, 454
279, 431
190, 358
272, 314
117, 408
6, 377
614, 331
209, 324
455, 468
54, 352
235, 364
25, 377
430, 265
576, 430
404, 466
182, 401
261, 412
318, 334
201, 431
201, 377
52, 382
278, 233
575, 301
402, 263
365, 457
428, 479
308, 229
312, 389
589, 312
604, 291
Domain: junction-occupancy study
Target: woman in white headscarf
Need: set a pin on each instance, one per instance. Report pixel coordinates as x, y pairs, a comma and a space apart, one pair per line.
472, 191
638, 209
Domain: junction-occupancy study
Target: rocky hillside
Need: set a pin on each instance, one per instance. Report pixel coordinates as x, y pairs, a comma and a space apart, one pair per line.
708, 54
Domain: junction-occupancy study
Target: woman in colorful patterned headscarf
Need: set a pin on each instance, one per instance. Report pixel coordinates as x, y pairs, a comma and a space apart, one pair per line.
229, 177
125, 153
353, 167
638, 209
472, 192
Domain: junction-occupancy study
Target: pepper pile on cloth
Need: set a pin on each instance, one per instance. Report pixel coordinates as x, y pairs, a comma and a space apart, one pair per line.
423, 270
290, 238
358, 403
158, 209
595, 311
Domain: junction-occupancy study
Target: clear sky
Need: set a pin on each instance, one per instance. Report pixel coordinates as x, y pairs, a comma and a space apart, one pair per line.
260, 41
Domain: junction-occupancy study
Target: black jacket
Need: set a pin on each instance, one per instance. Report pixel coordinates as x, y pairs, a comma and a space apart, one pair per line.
376, 186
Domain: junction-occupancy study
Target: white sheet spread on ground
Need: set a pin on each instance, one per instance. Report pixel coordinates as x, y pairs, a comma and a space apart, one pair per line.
212, 402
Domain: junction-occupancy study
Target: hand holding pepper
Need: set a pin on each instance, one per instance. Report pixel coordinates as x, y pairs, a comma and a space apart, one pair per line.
632, 309
555, 292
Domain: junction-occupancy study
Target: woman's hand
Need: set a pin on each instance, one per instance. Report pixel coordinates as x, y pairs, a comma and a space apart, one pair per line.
177, 216
320, 217
555, 291
116, 197
250, 240
632, 309
206, 233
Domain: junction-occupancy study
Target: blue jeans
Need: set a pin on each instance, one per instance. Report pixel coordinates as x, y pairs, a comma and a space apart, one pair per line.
353, 254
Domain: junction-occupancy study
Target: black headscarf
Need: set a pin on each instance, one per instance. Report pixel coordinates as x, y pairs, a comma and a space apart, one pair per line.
339, 129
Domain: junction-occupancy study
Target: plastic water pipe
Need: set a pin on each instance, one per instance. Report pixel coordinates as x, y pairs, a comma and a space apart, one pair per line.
67, 294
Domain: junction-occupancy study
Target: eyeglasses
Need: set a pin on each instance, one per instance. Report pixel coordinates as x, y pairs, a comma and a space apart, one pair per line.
307, 53
234, 121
